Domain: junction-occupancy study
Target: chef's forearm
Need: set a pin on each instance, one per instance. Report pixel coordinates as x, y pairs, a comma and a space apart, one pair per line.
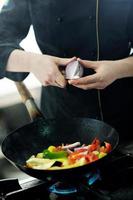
125, 67
21, 61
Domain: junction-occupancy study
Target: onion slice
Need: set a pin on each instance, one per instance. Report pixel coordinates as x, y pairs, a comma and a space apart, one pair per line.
70, 146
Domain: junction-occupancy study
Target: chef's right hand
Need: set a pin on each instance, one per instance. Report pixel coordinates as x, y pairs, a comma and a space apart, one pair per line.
46, 70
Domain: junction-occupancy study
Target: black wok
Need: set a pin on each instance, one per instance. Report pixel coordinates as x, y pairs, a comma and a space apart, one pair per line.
32, 138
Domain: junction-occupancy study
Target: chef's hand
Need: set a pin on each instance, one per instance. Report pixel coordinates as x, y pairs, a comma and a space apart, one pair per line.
47, 70
105, 73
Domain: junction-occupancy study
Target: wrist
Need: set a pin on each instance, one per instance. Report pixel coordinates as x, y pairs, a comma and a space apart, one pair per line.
21, 61
125, 67
33, 61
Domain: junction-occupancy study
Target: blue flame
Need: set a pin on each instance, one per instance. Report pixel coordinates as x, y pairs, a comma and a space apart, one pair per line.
57, 190
93, 177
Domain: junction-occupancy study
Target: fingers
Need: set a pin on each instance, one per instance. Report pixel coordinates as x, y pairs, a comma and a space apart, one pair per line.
85, 80
53, 83
60, 80
64, 61
88, 64
88, 82
53, 78
88, 86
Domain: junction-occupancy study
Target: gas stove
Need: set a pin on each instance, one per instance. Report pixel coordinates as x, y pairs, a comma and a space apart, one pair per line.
114, 182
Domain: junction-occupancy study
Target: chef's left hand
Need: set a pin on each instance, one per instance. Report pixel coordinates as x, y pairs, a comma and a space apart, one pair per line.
106, 72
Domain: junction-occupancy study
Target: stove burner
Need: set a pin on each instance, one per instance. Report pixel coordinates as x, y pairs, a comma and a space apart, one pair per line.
62, 188
65, 188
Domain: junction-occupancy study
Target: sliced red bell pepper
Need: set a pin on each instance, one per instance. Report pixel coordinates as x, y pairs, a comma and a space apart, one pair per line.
91, 157
94, 145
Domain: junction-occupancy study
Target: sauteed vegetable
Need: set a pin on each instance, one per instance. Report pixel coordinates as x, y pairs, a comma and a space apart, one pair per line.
69, 156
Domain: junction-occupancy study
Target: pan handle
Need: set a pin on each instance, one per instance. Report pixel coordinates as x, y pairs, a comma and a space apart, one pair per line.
28, 100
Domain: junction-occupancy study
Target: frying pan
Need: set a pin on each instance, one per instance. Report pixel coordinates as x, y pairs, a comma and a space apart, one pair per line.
40, 133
